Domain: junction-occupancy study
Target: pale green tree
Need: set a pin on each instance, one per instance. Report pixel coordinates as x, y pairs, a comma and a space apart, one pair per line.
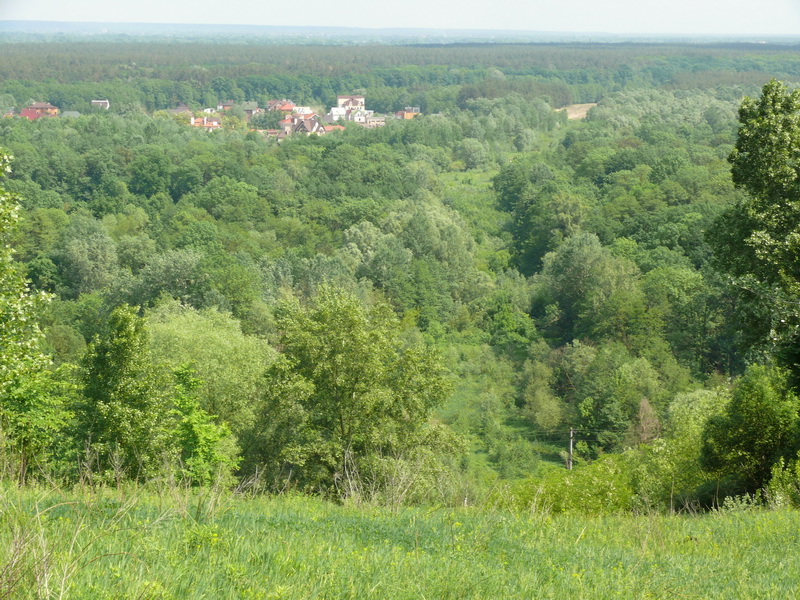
229, 363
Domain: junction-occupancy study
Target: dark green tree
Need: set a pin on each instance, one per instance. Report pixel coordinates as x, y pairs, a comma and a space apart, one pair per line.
758, 427
758, 240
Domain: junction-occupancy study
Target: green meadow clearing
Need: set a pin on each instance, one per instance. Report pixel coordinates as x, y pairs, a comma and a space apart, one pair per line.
92, 546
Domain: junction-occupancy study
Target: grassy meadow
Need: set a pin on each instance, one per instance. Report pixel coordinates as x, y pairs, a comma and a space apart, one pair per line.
89, 545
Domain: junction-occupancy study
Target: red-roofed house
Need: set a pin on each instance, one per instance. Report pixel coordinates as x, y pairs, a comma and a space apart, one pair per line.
39, 109
30, 114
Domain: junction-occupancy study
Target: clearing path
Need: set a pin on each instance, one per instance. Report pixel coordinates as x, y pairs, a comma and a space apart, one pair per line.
578, 111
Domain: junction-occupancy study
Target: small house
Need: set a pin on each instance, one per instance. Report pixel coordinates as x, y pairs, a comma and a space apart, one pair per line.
351, 102
39, 109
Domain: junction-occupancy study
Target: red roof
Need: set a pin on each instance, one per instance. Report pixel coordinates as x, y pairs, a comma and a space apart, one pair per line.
30, 113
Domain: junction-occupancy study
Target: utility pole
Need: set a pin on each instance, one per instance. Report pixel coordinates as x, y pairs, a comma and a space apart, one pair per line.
569, 458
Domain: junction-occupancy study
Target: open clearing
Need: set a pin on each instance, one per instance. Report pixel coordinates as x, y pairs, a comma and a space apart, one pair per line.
95, 544
578, 111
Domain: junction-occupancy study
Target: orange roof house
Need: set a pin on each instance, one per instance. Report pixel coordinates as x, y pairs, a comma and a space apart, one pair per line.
286, 106
207, 123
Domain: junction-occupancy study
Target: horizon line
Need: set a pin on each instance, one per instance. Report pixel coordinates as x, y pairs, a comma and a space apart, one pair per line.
378, 29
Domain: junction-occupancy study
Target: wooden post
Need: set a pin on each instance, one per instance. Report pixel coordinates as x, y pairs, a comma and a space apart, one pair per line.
569, 458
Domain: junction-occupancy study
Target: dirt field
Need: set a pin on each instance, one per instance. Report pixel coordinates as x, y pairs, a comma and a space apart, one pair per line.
578, 111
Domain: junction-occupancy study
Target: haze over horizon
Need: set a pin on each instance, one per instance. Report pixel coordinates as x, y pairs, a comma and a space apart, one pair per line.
681, 17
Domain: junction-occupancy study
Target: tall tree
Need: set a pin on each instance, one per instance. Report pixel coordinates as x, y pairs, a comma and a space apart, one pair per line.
346, 388
124, 421
31, 412
758, 240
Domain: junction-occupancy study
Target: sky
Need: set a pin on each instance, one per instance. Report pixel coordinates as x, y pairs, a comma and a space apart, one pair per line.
725, 17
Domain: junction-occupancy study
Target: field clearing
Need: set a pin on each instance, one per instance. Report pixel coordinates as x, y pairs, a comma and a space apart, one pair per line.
578, 111
197, 546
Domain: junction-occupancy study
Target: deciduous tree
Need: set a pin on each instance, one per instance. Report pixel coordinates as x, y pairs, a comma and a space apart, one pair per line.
353, 389
31, 409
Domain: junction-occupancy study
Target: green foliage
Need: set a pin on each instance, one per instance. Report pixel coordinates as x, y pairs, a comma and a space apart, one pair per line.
783, 489
124, 419
18, 330
666, 472
207, 451
586, 291
32, 411
540, 404
229, 364
758, 239
602, 487
763, 160
573, 287
346, 388
758, 427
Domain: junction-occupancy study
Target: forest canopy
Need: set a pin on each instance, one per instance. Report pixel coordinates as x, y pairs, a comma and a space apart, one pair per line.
426, 311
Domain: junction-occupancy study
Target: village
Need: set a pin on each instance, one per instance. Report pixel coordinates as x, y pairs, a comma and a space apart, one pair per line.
290, 118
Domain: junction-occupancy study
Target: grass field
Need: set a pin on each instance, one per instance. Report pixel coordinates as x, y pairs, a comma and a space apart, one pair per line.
178, 545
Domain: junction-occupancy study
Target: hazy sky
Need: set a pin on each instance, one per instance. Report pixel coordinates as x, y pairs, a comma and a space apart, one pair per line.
612, 16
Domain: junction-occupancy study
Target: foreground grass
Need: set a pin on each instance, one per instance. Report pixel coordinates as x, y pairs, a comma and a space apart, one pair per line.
79, 545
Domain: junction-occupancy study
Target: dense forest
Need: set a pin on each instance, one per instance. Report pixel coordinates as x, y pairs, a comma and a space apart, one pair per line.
450, 309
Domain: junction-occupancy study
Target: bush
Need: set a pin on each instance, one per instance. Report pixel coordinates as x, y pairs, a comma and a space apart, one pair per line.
601, 487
